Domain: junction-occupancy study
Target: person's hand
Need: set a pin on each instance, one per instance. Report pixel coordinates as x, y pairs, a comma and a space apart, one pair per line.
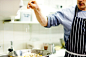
32, 4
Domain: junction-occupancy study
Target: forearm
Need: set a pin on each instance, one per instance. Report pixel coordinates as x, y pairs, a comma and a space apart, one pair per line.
40, 17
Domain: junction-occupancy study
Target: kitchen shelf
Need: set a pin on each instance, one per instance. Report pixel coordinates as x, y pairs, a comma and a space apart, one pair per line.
21, 22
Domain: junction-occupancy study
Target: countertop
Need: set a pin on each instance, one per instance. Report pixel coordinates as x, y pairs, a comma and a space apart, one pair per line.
59, 53
3, 55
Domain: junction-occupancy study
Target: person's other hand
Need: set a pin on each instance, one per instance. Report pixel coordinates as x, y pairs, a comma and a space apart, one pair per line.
32, 4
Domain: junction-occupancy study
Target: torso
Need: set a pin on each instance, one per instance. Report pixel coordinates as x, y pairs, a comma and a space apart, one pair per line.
67, 23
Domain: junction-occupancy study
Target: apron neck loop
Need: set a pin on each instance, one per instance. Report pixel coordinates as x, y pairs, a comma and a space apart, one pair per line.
76, 10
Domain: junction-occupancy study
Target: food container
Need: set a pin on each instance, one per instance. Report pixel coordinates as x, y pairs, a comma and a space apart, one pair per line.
25, 15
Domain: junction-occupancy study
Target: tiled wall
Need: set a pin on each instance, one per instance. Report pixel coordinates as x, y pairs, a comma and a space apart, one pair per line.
54, 3
21, 34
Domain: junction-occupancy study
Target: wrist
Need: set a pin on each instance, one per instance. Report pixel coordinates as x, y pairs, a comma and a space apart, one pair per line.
37, 9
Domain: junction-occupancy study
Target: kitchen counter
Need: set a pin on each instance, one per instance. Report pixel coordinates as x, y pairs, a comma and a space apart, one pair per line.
3, 55
59, 53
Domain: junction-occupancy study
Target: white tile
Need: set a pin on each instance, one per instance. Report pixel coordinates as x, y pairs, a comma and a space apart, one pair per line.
26, 27
18, 35
35, 27
18, 32
10, 38
35, 32
34, 35
18, 27
1, 25
26, 36
1, 47
8, 27
1, 22
8, 35
1, 35
18, 45
25, 44
7, 45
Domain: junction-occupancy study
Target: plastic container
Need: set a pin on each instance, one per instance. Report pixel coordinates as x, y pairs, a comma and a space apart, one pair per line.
25, 15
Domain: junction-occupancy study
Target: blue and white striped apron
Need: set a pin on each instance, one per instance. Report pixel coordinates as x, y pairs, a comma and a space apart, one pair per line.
75, 46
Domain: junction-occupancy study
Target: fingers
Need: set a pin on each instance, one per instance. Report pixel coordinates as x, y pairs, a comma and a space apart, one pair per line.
31, 4
33, 1
28, 7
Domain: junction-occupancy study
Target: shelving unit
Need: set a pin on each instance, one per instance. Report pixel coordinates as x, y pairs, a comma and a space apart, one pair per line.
22, 22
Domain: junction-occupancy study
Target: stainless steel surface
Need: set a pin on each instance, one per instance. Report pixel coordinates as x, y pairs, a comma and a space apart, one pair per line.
41, 52
17, 53
3, 55
44, 53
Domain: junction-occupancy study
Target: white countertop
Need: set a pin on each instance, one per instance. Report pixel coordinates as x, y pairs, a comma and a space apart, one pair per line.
59, 53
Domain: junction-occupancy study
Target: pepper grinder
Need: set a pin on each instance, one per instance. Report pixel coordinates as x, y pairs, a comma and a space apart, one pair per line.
11, 50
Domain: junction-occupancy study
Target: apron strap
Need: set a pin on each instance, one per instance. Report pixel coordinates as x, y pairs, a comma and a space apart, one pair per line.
76, 10
72, 53
76, 41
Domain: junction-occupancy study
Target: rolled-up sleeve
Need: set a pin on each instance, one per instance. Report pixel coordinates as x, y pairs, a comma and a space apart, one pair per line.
64, 17
54, 19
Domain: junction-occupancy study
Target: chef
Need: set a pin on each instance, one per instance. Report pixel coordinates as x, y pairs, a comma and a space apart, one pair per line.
73, 20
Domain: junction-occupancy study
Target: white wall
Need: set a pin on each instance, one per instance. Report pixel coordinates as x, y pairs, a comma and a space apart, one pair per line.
20, 36
54, 3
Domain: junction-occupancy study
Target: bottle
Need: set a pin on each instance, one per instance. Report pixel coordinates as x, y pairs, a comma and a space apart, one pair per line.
10, 54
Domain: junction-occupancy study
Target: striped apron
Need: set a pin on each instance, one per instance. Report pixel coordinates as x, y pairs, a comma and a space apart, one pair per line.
75, 45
